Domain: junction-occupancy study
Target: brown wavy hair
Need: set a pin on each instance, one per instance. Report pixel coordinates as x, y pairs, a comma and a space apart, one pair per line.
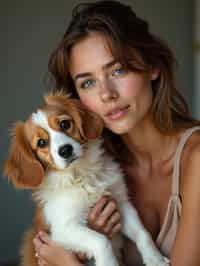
137, 49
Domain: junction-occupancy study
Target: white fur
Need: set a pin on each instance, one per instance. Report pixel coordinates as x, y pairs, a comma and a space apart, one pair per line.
67, 195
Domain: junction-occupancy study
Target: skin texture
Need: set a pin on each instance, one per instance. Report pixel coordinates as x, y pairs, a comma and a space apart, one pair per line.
103, 85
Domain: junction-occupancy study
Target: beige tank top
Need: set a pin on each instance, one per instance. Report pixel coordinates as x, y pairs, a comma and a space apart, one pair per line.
166, 237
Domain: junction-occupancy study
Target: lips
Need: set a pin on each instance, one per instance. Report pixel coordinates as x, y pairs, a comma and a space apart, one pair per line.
117, 113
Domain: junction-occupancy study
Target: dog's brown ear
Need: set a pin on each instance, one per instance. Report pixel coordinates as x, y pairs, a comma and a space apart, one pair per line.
22, 167
57, 98
91, 125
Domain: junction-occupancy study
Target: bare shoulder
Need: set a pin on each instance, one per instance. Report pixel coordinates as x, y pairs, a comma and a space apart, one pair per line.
190, 167
191, 153
186, 247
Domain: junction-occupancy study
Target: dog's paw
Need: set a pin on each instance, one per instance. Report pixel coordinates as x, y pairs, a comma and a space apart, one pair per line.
157, 261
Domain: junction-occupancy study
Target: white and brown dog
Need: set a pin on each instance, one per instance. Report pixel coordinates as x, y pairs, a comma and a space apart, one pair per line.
58, 154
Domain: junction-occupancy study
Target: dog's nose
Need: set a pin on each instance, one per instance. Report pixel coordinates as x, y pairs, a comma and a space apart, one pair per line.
65, 151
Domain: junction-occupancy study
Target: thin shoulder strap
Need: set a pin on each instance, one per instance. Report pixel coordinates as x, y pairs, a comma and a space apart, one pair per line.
176, 170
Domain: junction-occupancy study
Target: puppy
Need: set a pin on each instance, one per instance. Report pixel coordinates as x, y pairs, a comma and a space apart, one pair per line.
58, 154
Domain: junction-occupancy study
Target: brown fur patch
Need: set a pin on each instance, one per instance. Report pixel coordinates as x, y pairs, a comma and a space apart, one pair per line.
22, 167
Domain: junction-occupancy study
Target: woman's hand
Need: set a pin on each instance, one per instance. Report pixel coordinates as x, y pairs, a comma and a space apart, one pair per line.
49, 253
104, 217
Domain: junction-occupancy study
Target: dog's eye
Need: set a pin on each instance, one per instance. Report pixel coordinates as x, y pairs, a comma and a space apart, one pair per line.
65, 124
42, 143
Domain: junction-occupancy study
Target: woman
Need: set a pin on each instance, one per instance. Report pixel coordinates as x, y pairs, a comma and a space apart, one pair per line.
119, 70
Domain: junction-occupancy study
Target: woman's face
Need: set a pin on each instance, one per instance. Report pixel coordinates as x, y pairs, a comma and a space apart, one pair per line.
122, 98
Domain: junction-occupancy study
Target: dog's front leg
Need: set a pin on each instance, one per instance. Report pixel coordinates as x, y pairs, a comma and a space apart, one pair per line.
135, 231
82, 239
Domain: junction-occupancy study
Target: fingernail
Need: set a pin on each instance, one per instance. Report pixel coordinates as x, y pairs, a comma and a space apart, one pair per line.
40, 233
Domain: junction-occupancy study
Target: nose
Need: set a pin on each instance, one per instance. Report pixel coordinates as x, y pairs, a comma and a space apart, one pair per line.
108, 91
65, 151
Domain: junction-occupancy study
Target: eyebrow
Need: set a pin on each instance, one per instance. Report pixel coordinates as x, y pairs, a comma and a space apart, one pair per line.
86, 74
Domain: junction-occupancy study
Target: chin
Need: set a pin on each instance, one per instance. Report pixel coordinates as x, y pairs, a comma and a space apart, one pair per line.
121, 128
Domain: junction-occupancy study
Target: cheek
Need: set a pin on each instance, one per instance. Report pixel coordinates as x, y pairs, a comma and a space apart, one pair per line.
91, 102
137, 89
131, 87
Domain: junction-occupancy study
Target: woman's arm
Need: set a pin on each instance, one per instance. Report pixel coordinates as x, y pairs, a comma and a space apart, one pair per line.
187, 243
49, 253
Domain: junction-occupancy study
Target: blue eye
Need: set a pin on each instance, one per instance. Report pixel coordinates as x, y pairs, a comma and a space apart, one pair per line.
88, 83
119, 71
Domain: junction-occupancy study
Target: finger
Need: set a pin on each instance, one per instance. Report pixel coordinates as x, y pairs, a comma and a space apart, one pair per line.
37, 243
97, 209
45, 238
41, 248
116, 229
112, 222
41, 262
106, 214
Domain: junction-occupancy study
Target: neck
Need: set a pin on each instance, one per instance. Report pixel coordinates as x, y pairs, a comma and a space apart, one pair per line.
147, 144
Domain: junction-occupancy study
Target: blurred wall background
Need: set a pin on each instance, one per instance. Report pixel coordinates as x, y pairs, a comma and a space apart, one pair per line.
29, 32
196, 58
